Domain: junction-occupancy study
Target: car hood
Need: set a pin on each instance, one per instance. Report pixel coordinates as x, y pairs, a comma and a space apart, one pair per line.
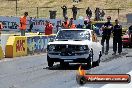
71, 42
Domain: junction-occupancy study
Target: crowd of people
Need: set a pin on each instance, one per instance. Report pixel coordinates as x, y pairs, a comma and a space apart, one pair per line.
99, 14
107, 29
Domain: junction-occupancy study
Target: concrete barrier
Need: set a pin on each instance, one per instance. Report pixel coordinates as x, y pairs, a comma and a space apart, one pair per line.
23, 45
1, 53
16, 46
38, 43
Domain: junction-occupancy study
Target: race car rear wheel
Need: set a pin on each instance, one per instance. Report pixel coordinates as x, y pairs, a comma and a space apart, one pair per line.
98, 61
63, 64
124, 46
89, 62
50, 63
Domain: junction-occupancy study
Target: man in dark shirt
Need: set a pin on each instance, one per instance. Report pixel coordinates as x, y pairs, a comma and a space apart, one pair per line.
89, 12
74, 10
106, 28
117, 39
64, 8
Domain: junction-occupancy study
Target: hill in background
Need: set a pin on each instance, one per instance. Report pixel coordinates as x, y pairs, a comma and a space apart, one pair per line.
8, 7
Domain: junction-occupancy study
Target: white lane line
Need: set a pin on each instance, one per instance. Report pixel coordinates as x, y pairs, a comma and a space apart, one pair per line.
127, 85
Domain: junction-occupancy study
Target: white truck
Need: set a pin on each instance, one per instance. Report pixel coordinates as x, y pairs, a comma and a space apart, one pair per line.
74, 46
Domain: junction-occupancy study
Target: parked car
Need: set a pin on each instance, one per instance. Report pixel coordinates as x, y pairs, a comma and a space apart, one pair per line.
74, 46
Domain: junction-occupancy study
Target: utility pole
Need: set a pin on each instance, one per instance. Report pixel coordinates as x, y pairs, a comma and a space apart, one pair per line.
16, 7
37, 12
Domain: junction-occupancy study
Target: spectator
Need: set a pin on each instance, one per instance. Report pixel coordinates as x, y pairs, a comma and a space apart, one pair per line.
71, 24
48, 28
64, 8
102, 15
58, 26
1, 27
130, 29
65, 24
117, 39
90, 25
106, 28
76, 1
89, 12
85, 26
74, 10
97, 14
23, 23
30, 24
79, 26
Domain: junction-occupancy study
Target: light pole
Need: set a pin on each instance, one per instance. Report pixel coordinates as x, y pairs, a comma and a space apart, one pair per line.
16, 7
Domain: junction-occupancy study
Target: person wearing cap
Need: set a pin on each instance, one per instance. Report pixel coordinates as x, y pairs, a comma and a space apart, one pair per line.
117, 37
71, 24
23, 23
106, 28
48, 28
65, 24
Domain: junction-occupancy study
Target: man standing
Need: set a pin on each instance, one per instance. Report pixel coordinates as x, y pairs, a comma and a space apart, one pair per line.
30, 24
48, 28
23, 23
102, 14
106, 28
97, 14
64, 8
65, 24
117, 39
74, 10
89, 12
71, 24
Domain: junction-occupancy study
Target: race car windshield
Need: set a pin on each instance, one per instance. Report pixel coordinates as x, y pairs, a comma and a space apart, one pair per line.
73, 35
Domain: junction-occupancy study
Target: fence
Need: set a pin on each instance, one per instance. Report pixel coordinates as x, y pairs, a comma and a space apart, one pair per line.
44, 12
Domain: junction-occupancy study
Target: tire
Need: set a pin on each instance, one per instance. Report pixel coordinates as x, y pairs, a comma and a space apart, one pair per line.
90, 59
81, 80
124, 46
50, 63
63, 64
89, 62
97, 62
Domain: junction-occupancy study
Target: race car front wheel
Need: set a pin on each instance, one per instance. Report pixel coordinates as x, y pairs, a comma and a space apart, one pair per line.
90, 59
50, 63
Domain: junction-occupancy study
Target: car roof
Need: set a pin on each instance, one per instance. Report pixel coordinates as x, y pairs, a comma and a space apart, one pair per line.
79, 29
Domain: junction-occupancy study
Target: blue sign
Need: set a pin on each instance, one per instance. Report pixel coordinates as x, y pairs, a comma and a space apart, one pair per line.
37, 44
